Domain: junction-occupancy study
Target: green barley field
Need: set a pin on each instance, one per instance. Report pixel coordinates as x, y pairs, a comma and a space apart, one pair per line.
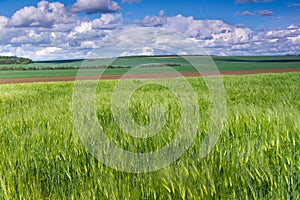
256, 157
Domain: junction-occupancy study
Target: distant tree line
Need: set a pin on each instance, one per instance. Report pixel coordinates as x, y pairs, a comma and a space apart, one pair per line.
14, 60
23, 68
30, 67
292, 54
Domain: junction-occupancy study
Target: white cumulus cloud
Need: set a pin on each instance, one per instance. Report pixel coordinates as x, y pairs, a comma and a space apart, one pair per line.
153, 21
47, 51
44, 15
50, 30
107, 21
211, 31
95, 6
3, 21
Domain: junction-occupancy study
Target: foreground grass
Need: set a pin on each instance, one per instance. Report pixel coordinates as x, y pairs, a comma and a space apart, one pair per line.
256, 157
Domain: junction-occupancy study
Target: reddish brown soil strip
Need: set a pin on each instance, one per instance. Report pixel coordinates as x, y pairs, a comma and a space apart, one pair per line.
141, 76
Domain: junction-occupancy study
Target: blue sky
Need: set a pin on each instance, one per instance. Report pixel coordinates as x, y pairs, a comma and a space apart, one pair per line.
249, 23
284, 12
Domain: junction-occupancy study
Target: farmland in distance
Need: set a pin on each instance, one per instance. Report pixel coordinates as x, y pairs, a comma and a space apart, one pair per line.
122, 65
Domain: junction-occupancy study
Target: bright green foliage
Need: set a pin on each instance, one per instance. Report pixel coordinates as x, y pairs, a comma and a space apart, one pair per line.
256, 157
14, 60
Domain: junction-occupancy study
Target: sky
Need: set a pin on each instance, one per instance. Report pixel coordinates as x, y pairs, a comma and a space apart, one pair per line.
69, 29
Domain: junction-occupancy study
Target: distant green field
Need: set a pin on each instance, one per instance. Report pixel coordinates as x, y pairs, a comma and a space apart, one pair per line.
122, 65
89, 72
256, 62
256, 157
